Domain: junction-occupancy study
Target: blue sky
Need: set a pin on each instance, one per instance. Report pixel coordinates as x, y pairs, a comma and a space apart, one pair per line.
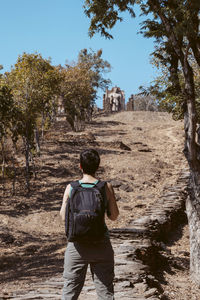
59, 29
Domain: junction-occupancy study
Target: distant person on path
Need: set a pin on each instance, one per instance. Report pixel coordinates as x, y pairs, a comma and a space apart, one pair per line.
85, 203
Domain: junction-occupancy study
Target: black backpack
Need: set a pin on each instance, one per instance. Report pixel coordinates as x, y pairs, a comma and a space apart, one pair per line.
86, 206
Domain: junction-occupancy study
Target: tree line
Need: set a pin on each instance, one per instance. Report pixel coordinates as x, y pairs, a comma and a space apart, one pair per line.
29, 96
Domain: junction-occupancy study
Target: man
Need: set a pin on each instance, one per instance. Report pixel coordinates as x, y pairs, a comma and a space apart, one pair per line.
99, 255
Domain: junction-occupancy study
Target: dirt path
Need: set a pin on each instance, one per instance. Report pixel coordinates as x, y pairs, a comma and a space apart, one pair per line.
141, 153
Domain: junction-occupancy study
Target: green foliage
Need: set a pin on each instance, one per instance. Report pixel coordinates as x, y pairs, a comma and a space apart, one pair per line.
80, 82
6, 109
97, 66
9, 113
34, 82
105, 13
169, 88
76, 90
30, 90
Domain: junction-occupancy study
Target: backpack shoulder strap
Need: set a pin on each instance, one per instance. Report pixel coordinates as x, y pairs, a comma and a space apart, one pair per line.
75, 184
74, 187
100, 184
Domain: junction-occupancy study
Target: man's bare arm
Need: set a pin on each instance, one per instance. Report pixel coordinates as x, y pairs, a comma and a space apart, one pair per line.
64, 202
112, 204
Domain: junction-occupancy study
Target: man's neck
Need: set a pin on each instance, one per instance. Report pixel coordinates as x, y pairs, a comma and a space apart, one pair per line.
88, 178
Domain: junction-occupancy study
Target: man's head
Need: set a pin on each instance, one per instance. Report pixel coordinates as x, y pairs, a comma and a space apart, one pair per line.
89, 161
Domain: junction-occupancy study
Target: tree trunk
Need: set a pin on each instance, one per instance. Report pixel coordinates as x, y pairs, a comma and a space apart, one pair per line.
37, 141
42, 134
191, 149
15, 173
191, 152
53, 112
193, 213
33, 165
3, 158
27, 152
196, 51
3, 162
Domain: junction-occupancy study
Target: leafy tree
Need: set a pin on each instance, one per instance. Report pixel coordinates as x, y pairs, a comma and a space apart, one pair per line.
145, 102
6, 112
175, 26
81, 81
9, 126
171, 97
77, 93
34, 82
97, 66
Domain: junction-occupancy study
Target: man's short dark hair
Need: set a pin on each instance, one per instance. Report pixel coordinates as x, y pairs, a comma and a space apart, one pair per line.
89, 160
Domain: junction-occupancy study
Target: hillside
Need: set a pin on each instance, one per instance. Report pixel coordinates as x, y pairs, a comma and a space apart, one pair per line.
141, 154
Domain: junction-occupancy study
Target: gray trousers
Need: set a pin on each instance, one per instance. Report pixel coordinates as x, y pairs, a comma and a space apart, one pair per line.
100, 257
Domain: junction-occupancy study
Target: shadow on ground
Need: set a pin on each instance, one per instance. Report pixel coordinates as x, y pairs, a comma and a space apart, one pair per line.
41, 259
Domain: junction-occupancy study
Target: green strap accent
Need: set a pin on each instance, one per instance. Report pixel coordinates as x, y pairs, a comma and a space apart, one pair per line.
87, 185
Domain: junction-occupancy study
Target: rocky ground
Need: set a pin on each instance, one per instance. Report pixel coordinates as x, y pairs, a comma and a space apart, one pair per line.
141, 154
